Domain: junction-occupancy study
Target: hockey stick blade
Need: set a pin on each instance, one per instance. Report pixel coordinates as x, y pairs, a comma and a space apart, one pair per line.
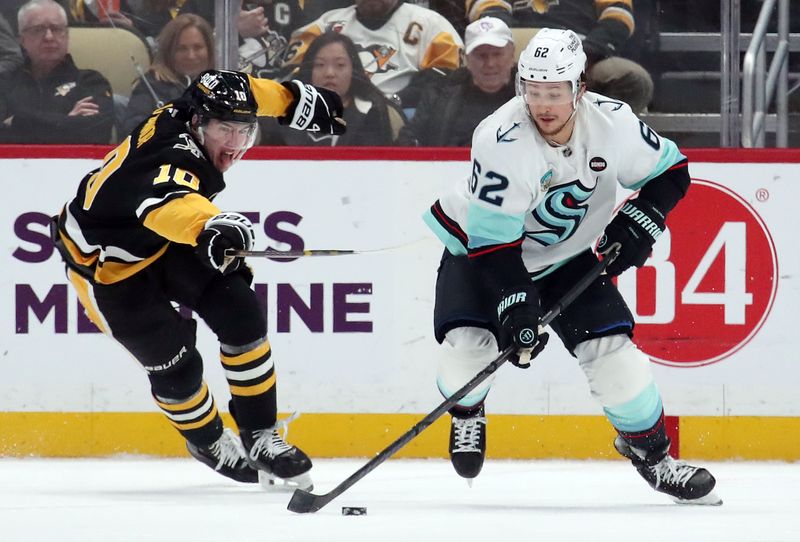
303, 502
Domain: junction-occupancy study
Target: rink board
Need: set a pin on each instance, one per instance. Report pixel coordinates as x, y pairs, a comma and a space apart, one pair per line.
352, 335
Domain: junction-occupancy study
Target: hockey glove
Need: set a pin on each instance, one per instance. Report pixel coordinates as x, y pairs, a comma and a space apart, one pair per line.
636, 228
224, 231
315, 109
518, 313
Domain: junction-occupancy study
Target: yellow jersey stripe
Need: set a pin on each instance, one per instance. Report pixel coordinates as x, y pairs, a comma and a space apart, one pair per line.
200, 423
197, 399
258, 389
247, 357
75, 253
82, 287
443, 52
182, 219
273, 99
621, 15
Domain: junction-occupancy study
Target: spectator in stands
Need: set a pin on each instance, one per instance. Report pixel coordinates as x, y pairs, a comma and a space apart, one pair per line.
48, 99
452, 10
9, 10
313, 9
93, 11
264, 29
148, 17
332, 62
403, 47
448, 113
10, 56
604, 27
185, 49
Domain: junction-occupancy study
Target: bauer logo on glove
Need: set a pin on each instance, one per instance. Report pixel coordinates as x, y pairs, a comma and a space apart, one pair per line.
315, 109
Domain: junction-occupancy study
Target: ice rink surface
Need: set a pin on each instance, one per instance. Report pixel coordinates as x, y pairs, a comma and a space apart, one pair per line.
180, 500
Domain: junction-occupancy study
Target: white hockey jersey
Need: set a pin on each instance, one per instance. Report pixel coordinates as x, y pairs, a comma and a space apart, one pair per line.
413, 39
558, 199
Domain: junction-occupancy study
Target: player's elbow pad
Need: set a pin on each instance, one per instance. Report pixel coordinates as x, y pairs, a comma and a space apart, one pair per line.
665, 191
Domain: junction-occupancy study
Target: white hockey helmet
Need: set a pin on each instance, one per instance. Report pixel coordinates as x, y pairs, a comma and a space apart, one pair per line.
552, 56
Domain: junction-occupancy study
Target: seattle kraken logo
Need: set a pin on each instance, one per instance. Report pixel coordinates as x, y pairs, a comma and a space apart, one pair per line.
561, 212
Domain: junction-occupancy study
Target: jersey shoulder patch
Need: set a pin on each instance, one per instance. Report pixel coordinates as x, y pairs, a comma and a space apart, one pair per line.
506, 125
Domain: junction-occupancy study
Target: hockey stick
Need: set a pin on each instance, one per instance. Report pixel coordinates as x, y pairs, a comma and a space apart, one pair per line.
303, 501
288, 254
291, 254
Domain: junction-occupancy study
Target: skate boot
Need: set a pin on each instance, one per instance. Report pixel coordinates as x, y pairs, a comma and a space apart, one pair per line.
276, 460
684, 483
226, 456
468, 442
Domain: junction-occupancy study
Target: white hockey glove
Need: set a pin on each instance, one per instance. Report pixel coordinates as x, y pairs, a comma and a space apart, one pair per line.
315, 109
221, 232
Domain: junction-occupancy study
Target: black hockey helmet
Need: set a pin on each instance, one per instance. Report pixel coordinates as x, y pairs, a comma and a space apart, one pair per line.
223, 95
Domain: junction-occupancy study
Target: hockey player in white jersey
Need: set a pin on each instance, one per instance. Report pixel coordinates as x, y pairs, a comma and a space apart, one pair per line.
518, 233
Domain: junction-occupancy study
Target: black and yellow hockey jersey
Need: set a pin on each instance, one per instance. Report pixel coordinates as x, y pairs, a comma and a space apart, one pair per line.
155, 187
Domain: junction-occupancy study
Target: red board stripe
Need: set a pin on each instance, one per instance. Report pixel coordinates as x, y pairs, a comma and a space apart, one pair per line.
431, 154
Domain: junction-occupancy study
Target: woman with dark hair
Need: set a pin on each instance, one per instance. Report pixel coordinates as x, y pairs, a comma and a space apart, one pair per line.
185, 49
332, 62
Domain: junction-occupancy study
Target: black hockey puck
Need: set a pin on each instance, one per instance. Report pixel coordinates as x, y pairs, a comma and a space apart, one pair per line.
354, 510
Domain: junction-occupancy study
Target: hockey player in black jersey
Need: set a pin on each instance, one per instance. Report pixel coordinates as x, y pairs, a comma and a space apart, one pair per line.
142, 232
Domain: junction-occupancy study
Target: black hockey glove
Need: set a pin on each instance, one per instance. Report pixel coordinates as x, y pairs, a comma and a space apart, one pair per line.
224, 231
519, 312
636, 228
315, 109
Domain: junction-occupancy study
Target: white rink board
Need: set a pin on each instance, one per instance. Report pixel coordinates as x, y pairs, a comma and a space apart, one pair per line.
362, 205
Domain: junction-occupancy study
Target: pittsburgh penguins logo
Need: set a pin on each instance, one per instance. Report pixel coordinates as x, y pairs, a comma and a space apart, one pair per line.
377, 58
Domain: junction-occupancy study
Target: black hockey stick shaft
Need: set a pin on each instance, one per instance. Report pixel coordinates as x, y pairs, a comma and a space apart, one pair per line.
288, 254
292, 254
303, 501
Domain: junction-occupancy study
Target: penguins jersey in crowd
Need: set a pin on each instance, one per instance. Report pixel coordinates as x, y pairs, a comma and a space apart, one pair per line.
605, 24
156, 187
557, 200
411, 39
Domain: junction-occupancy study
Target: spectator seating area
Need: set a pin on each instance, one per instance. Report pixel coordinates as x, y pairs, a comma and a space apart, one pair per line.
677, 42
122, 55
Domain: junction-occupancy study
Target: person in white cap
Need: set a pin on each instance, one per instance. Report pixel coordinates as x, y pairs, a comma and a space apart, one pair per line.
519, 231
448, 113
605, 28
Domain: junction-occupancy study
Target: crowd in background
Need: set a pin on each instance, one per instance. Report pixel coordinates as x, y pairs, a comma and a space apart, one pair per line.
410, 72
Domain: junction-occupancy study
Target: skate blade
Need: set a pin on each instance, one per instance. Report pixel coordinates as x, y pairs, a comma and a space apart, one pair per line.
711, 499
269, 482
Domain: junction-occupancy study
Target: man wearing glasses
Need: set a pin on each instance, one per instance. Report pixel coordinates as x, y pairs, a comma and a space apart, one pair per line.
48, 99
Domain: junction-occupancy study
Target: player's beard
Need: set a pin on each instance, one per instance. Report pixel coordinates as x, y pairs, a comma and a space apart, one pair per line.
565, 126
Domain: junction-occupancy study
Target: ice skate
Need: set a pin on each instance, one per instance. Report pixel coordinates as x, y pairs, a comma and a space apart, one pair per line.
468, 443
684, 483
276, 461
226, 456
